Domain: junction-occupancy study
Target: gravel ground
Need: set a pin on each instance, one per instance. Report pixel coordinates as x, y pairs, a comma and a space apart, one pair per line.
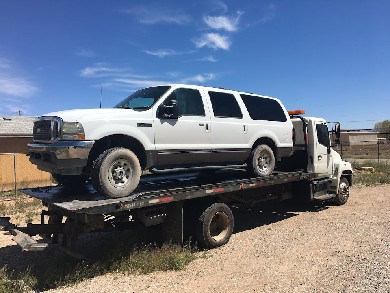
283, 248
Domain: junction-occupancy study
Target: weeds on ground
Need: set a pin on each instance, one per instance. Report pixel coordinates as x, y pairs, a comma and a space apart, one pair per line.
380, 175
8, 285
64, 270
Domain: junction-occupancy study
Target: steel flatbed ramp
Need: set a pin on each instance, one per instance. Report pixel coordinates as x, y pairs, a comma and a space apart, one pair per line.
158, 189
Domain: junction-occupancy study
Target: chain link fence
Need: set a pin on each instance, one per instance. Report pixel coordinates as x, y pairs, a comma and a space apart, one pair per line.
366, 150
16, 172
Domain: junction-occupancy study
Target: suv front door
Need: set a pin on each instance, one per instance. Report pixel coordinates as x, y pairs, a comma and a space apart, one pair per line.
183, 140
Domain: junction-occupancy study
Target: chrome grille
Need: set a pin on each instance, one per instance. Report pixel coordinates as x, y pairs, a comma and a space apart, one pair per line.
45, 130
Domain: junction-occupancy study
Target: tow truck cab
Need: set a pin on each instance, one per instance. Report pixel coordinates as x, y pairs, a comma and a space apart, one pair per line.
313, 150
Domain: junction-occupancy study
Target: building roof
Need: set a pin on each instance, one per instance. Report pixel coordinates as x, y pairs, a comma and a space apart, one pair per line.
16, 125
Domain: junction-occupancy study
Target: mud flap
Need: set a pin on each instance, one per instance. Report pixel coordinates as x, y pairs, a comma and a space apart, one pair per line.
172, 228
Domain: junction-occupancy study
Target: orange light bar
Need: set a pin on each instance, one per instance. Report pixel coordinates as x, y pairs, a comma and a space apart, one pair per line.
296, 112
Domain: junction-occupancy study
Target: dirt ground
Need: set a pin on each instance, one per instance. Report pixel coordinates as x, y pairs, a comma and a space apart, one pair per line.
279, 248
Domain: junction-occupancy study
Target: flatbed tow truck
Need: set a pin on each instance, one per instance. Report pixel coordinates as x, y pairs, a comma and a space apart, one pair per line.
184, 205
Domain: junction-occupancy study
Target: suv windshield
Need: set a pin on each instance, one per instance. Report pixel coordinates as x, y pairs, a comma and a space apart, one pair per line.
143, 99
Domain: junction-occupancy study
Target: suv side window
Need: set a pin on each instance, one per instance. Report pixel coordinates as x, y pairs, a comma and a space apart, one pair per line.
323, 134
189, 101
225, 105
260, 108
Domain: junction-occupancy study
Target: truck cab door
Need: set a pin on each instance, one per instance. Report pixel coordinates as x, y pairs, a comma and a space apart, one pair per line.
322, 160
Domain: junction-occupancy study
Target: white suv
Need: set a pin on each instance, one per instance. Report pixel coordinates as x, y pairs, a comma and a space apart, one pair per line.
161, 127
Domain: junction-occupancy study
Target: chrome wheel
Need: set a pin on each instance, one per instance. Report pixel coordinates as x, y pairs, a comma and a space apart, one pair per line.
263, 162
120, 173
343, 194
344, 191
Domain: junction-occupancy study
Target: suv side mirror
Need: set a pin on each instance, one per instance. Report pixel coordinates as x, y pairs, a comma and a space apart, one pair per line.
169, 110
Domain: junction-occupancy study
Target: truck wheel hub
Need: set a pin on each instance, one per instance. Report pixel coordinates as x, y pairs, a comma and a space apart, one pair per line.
120, 173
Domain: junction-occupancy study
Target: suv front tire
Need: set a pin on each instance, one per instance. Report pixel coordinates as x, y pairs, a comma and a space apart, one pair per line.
116, 172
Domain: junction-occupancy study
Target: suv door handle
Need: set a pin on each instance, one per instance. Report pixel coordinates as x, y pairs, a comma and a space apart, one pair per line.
319, 158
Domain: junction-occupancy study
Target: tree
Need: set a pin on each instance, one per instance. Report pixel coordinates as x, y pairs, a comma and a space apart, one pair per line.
383, 128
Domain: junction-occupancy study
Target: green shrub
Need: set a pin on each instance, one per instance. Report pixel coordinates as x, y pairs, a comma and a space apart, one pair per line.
380, 175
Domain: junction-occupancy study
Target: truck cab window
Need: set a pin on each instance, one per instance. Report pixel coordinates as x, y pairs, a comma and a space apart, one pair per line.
189, 101
225, 105
323, 134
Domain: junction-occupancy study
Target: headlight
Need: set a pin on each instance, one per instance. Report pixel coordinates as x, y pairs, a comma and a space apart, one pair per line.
72, 131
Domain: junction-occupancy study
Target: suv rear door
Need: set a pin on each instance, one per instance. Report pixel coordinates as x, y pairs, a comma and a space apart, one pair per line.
229, 132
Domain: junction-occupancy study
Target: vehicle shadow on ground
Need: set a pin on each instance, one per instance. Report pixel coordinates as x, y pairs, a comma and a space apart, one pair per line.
102, 251
52, 268
247, 218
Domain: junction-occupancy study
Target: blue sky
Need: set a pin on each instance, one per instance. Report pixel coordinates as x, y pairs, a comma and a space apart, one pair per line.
331, 58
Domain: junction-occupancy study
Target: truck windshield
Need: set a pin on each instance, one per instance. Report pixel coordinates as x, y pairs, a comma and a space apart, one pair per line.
143, 99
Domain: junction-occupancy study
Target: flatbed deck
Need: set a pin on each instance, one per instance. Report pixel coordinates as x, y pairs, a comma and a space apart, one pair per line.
158, 189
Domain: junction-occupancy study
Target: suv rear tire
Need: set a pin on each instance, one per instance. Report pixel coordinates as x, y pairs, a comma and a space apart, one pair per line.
261, 161
116, 172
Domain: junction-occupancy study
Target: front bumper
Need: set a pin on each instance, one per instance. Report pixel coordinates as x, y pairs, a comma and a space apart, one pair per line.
61, 157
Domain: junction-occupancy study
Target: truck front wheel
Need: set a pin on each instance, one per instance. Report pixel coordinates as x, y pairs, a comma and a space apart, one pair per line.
343, 194
262, 161
116, 172
214, 226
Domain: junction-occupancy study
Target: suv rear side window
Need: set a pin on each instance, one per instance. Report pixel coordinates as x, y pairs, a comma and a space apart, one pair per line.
189, 101
225, 105
260, 108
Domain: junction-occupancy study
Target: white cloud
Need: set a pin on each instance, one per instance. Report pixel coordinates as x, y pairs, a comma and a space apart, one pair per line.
199, 78
85, 53
100, 70
209, 58
15, 108
138, 83
214, 41
220, 6
267, 14
122, 79
156, 15
161, 53
226, 23
17, 86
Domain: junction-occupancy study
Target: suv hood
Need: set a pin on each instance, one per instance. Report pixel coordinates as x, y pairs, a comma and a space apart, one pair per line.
81, 115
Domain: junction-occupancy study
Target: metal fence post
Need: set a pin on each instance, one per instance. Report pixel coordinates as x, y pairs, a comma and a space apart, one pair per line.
15, 172
378, 150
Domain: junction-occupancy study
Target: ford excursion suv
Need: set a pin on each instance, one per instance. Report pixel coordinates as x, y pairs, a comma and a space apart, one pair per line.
161, 127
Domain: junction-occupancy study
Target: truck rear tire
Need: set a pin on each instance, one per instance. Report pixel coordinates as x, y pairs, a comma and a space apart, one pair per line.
116, 172
261, 161
214, 226
343, 194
